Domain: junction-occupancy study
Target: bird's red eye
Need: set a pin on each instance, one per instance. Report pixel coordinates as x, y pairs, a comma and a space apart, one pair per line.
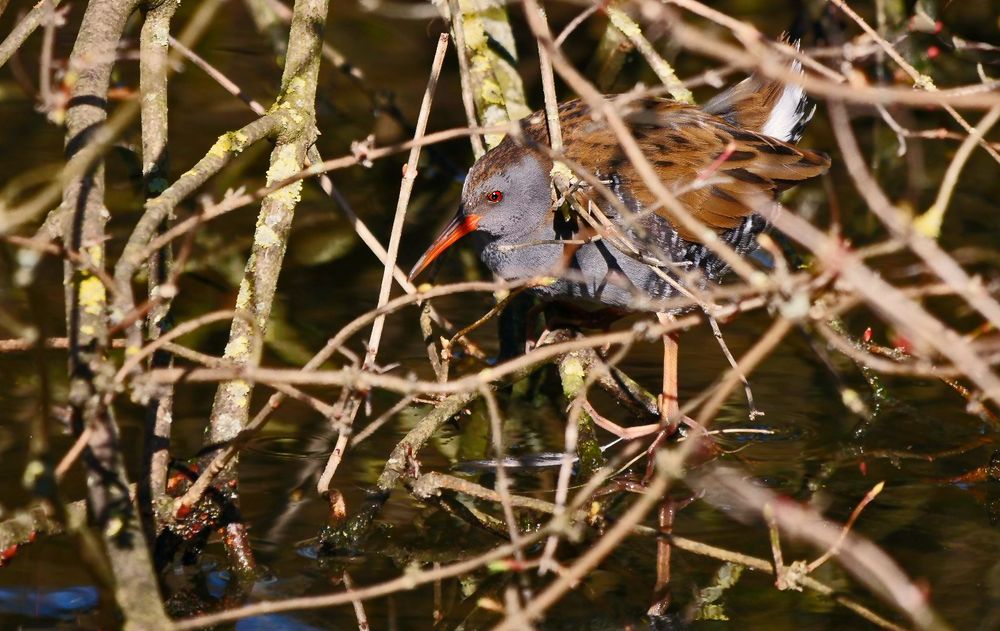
494, 197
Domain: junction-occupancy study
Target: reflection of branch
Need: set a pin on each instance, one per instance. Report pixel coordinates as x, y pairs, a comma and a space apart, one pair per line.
835, 548
727, 488
892, 304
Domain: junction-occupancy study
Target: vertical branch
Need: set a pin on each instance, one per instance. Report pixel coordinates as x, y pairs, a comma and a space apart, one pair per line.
153, 70
549, 90
405, 188
109, 504
497, 90
295, 113
409, 176
661, 591
468, 102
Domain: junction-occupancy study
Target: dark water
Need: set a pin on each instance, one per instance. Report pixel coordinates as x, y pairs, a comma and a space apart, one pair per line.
942, 533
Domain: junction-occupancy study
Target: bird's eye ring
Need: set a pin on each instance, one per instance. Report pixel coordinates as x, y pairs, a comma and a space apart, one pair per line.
494, 197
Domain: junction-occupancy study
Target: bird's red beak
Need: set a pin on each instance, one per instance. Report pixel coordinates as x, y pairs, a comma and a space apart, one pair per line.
460, 226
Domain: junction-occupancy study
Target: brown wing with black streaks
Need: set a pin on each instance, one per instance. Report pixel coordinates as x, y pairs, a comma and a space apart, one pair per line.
711, 165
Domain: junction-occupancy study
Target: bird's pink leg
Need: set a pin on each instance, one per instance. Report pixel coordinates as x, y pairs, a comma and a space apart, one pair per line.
669, 407
625, 433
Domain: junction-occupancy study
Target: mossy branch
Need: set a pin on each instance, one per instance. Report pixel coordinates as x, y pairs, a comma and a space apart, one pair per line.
497, 89
294, 116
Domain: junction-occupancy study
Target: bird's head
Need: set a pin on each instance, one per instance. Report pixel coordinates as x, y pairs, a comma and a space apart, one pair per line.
506, 195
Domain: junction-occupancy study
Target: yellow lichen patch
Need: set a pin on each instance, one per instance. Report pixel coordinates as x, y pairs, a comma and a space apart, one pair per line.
929, 223
561, 172
221, 147
285, 163
296, 84
243, 298
96, 254
238, 347
573, 368
623, 22
475, 34
240, 391
491, 92
92, 295
266, 237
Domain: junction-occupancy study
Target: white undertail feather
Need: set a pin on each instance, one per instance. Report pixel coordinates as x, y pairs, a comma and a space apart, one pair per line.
790, 114
789, 110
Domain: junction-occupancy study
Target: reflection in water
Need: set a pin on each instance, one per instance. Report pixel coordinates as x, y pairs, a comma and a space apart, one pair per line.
61, 604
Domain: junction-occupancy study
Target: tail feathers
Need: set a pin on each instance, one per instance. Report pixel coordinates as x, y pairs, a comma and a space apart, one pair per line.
771, 107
